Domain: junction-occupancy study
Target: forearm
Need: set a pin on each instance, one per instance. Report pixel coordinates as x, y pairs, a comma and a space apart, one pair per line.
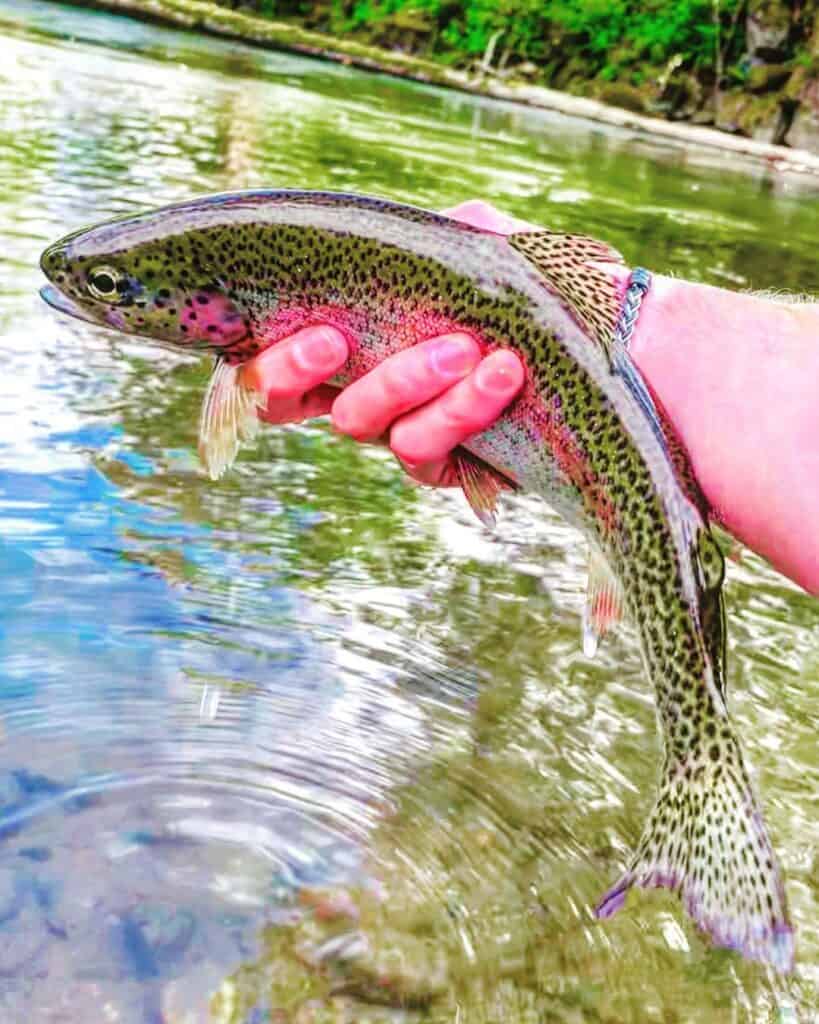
739, 378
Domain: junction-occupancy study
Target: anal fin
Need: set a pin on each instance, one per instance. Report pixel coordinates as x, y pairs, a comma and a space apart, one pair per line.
229, 416
604, 603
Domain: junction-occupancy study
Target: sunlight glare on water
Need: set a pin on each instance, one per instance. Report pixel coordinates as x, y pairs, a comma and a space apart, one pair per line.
310, 740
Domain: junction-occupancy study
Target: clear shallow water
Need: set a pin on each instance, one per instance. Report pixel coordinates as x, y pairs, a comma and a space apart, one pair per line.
222, 703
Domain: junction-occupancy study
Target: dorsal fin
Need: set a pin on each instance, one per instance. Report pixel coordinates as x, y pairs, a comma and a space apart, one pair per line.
565, 261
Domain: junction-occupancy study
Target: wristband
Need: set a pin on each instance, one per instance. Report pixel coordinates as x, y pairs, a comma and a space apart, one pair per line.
639, 281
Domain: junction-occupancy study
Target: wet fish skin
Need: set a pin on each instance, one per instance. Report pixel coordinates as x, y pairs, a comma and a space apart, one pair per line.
233, 274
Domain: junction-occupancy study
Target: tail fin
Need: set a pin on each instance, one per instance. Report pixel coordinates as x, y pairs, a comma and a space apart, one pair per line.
706, 840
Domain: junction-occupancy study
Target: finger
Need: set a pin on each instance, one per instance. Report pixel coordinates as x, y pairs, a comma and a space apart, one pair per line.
430, 433
317, 402
483, 215
298, 363
402, 382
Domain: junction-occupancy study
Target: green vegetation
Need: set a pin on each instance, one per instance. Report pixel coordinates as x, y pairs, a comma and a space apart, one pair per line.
675, 58
611, 36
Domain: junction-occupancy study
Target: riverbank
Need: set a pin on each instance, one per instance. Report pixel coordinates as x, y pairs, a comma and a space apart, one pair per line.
201, 15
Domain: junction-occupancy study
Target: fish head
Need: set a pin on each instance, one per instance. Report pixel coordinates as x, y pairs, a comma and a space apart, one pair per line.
158, 287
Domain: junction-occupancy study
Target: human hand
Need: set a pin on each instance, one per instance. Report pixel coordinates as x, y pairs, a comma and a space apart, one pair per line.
423, 401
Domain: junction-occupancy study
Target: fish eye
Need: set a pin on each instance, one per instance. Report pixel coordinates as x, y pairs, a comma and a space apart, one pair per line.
105, 283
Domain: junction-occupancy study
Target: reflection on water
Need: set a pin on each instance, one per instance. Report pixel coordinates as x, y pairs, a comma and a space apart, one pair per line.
308, 744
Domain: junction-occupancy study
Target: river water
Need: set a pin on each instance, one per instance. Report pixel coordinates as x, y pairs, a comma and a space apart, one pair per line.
309, 744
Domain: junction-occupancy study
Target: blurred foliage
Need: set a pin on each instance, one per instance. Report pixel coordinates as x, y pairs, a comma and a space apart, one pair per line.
610, 36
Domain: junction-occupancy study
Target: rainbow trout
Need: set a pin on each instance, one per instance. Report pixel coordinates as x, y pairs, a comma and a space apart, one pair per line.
233, 274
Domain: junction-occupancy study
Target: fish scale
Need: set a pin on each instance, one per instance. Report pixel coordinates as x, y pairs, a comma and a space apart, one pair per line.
236, 273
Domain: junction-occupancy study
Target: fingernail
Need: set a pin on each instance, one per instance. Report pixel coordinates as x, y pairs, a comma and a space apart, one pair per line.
322, 347
499, 373
454, 357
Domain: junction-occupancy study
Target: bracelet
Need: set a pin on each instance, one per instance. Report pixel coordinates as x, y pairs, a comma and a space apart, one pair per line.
639, 282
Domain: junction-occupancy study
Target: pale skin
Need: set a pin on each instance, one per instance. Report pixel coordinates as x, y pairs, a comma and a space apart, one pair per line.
737, 374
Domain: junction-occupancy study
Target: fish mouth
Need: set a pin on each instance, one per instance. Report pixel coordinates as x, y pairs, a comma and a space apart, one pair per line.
63, 304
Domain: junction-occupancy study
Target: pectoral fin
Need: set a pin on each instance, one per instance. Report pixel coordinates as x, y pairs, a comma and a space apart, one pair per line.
604, 603
228, 417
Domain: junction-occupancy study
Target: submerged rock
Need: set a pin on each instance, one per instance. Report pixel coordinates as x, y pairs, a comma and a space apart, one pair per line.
11, 895
153, 939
